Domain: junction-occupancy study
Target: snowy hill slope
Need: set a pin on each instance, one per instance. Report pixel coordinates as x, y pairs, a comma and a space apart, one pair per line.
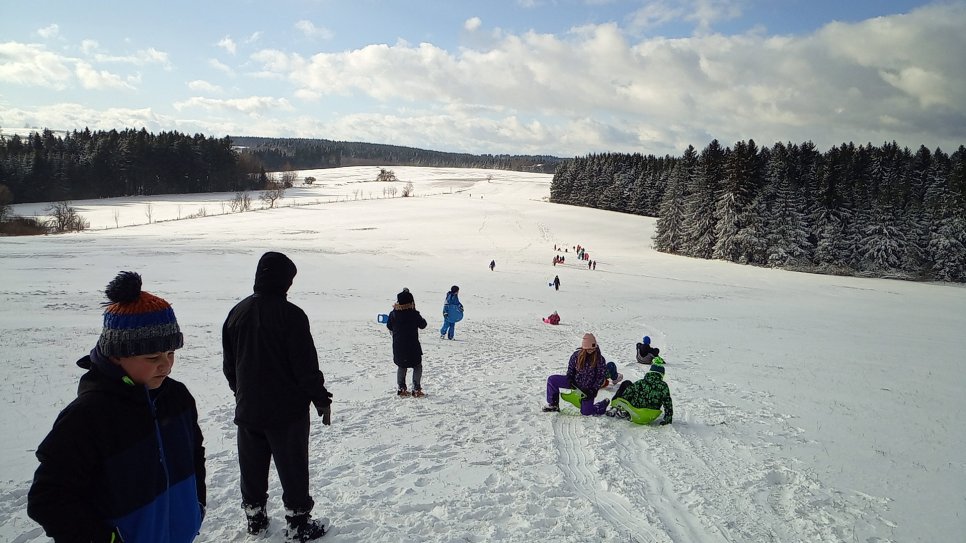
807, 408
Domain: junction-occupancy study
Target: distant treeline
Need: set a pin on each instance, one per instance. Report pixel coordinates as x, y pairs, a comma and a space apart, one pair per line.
879, 211
301, 154
43, 167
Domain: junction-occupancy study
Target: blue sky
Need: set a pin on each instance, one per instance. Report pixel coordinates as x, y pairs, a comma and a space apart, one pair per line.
562, 77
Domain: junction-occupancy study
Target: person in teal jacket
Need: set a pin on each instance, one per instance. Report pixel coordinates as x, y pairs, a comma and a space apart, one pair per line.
651, 392
452, 313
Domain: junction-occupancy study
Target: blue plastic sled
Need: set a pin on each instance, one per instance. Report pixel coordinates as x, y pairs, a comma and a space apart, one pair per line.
382, 318
452, 313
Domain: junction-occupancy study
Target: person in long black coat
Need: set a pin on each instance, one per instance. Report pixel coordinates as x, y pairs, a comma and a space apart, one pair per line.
405, 323
272, 366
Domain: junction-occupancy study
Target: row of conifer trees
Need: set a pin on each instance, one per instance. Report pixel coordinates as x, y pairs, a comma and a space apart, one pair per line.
871, 210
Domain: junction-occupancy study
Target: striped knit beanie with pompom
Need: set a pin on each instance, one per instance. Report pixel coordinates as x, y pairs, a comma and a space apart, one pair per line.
136, 322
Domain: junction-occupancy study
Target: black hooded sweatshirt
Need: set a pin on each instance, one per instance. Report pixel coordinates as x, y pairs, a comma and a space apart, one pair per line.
269, 356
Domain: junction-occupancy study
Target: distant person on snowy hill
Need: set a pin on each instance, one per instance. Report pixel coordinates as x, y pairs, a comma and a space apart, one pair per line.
492, 264
586, 371
554, 318
645, 352
651, 392
556, 282
125, 458
452, 313
405, 323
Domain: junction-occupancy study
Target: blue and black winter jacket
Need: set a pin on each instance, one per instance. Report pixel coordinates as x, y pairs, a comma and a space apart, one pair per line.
121, 459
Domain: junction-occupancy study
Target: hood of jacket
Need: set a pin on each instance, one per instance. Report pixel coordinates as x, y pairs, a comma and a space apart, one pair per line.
105, 376
274, 274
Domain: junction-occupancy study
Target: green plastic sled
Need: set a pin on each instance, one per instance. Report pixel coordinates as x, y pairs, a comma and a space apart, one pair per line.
640, 415
574, 397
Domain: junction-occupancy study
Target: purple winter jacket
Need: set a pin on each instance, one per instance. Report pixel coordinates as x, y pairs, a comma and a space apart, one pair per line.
589, 379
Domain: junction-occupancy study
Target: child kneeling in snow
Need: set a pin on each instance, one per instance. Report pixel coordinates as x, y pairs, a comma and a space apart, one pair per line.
554, 318
651, 392
587, 372
646, 353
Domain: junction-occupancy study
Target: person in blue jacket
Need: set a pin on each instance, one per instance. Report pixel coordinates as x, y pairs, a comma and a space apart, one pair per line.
452, 313
124, 460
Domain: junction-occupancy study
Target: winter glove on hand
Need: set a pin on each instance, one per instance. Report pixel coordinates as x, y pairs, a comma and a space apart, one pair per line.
326, 413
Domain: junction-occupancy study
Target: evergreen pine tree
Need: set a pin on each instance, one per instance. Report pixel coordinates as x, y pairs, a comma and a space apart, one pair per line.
699, 231
669, 236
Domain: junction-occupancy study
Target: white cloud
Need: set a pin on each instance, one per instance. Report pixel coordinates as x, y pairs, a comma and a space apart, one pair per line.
228, 44
473, 24
70, 116
253, 105
254, 37
597, 88
220, 66
702, 13
89, 46
33, 65
49, 31
311, 31
138, 58
830, 86
204, 86
91, 78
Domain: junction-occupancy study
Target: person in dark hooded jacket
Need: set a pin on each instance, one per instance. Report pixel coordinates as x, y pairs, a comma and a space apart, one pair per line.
404, 324
272, 366
125, 461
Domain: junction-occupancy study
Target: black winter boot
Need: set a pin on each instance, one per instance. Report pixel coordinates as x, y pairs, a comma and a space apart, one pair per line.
257, 518
302, 527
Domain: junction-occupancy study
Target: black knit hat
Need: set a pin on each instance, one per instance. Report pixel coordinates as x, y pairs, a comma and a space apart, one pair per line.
137, 322
405, 297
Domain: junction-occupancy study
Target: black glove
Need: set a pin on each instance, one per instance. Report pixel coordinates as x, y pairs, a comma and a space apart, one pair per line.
325, 410
665, 421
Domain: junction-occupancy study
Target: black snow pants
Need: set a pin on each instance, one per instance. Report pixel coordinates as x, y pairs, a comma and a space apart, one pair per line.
289, 446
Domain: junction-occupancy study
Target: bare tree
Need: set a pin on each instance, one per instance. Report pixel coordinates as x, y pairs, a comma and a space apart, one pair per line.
386, 175
408, 190
273, 193
241, 202
117, 218
149, 212
64, 218
288, 179
308, 180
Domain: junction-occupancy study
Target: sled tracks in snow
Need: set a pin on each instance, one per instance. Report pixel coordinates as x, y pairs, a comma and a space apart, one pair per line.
651, 514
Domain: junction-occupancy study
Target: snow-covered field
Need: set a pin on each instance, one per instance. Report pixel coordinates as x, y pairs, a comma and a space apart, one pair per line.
808, 408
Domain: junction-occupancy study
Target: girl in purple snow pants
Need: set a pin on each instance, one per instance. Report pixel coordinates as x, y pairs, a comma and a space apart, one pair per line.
587, 406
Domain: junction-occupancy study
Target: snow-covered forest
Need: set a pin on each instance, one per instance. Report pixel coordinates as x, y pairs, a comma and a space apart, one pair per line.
866, 210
